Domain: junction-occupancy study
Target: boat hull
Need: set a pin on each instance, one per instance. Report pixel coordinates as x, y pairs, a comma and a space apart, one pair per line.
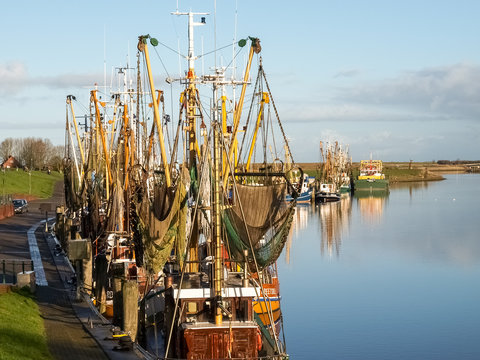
304, 197
371, 184
326, 197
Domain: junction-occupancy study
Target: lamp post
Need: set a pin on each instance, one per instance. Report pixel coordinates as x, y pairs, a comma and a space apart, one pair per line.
30, 182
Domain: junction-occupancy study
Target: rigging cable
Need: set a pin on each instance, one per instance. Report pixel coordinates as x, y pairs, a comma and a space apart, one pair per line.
186, 255
278, 117
250, 243
248, 117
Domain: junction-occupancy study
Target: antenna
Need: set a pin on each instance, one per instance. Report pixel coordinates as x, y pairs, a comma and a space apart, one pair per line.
214, 30
234, 48
191, 24
105, 57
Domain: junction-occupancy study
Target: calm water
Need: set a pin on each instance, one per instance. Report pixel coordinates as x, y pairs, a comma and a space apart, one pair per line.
396, 277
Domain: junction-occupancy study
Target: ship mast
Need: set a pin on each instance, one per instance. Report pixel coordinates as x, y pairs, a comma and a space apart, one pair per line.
193, 103
217, 242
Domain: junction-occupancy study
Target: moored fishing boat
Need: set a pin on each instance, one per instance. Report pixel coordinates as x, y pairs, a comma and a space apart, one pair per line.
327, 193
332, 173
183, 244
371, 177
305, 193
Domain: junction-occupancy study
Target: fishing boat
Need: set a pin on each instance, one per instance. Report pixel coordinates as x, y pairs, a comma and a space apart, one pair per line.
306, 191
327, 193
327, 187
371, 177
178, 239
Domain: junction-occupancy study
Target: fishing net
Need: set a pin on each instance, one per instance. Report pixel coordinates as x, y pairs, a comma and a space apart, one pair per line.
267, 220
163, 222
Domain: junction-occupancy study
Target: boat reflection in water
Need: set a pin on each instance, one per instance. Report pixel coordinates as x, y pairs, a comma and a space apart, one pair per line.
300, 221
371, 204
411, 187
334, 222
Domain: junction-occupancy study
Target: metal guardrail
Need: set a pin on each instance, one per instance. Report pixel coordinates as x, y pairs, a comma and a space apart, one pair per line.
10, 267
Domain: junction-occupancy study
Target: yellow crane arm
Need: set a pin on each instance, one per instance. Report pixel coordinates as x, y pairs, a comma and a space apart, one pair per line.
265, 100
69, 101
143, 47
254, 48
102, 134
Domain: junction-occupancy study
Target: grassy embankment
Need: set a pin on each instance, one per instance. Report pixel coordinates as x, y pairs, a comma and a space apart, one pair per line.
21, 328
401, 171
21, 184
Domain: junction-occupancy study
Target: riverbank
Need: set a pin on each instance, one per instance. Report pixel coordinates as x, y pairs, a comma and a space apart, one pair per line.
28, 185
404, 171
21, 325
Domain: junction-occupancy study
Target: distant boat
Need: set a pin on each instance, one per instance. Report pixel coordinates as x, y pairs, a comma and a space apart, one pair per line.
327, 193
371, 176
305, 195
333, 169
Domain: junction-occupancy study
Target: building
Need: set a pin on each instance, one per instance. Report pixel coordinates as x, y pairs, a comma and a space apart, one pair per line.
11, 163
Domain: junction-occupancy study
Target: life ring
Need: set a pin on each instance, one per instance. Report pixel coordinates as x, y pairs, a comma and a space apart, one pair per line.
259, 340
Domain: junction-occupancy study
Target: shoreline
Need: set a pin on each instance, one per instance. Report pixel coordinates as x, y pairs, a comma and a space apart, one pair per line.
398, 172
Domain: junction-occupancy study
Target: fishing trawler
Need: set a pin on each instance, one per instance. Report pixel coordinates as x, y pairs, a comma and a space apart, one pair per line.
306, 191
328, 182
183, 244
371, 176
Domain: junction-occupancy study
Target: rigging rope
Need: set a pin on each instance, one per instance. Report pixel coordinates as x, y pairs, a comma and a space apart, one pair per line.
205, 158
249, 241
248, 118
164, 68
278, 117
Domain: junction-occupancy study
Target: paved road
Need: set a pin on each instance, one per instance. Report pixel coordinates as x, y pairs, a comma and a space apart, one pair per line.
66, 336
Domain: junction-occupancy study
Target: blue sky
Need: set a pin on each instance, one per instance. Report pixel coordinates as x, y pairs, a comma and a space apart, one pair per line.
398, 80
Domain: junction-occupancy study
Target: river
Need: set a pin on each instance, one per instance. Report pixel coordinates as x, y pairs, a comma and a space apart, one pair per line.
392, 277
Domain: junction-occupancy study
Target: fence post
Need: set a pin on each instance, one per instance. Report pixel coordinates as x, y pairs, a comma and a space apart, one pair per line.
23, 267
14, 275
3, 270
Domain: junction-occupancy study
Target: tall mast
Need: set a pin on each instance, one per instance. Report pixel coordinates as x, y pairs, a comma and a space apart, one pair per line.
192, 112
217, 241
192, 101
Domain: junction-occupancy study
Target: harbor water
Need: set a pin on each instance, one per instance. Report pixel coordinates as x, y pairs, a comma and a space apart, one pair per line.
386, 277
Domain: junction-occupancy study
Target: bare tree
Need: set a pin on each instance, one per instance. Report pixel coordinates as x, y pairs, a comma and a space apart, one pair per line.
34, 153
26, 152
7, 148
55, 157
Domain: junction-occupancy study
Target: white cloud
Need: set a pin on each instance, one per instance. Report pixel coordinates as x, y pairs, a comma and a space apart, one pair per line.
347, 73
13, 76
449, 91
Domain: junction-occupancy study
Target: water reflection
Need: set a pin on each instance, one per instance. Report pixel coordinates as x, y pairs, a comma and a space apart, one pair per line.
411, 187
300, 221
372, 205
412, 278
334, 222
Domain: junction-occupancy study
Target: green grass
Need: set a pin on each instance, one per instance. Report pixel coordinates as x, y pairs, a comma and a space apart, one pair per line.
39, 184
21, 328
402, 172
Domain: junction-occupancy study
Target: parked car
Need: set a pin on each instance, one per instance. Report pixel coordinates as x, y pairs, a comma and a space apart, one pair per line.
20, 206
